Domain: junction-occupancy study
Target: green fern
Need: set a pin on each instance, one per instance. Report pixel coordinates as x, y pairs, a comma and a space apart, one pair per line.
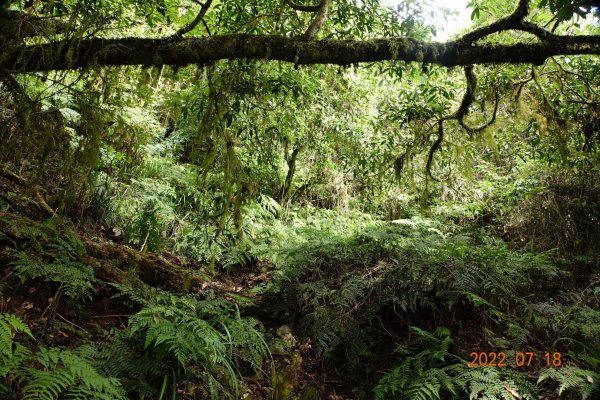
76, 278
51, 373
10, 325
137, 371
140, 293
435, 373
12, 353
418, 377
491, 383
571, 379
209, 335
338, 285
68, 374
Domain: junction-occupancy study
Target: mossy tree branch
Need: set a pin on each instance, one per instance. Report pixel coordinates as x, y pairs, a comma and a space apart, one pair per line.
64, 55
179, 51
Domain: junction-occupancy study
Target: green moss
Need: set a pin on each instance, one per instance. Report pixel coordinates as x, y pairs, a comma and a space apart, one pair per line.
398, 47
419, 56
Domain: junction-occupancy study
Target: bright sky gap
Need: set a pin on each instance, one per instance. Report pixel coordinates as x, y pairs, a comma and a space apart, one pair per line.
454, 23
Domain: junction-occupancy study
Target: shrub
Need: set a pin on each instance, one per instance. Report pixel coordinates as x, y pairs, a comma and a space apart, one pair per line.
562, 211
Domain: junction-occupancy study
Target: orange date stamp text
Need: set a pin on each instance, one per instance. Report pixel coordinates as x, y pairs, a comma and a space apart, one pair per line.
520, 359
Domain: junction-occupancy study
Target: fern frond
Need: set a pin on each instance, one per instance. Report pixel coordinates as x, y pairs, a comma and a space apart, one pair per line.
76, 278
65, 373
10, 325
208, 335
571, 379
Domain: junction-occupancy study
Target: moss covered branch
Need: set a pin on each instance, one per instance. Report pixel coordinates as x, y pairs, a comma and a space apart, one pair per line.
141, 51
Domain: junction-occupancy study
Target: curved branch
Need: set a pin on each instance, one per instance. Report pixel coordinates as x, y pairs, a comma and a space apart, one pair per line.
469, 95
459, 116
199, 18
508, 22
472, 130
300, 7
467, 100
318, 21
435, 147
538, 31
513, 21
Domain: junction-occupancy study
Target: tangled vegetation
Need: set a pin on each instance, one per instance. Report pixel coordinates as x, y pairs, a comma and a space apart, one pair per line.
216, 200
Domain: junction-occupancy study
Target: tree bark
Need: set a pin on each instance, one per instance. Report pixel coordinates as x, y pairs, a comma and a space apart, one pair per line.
287, 185
65, 55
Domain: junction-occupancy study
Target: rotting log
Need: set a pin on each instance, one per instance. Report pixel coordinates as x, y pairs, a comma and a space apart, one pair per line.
112, 262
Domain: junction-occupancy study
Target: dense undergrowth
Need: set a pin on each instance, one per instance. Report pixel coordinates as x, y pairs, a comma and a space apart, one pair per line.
380, 293
368, 293
395, 307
